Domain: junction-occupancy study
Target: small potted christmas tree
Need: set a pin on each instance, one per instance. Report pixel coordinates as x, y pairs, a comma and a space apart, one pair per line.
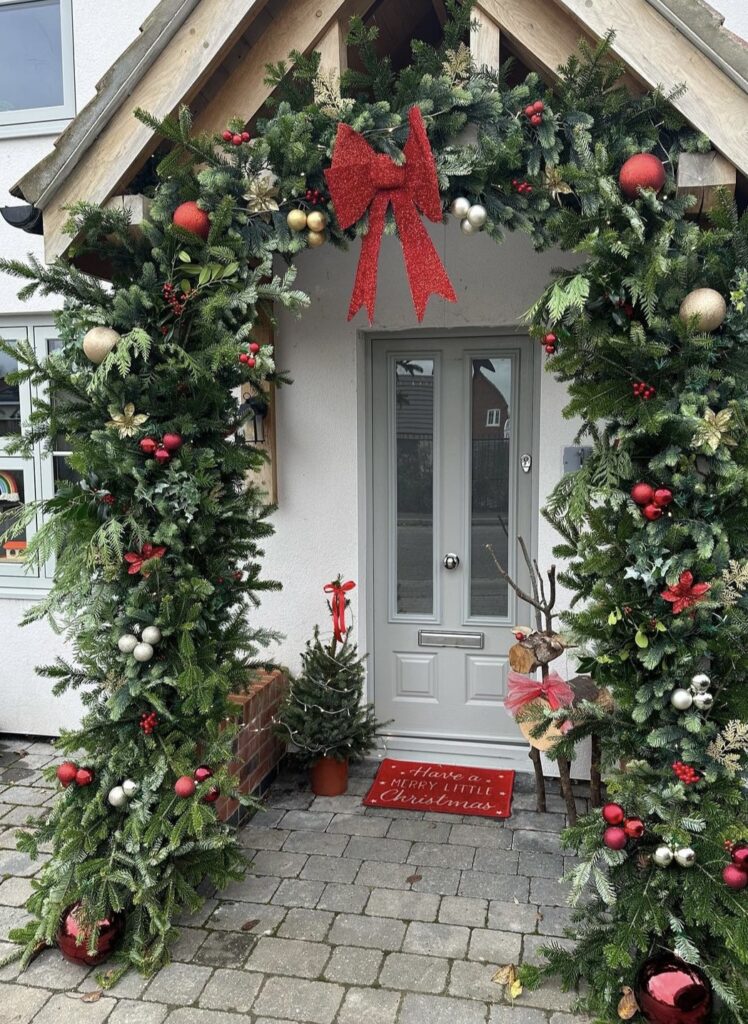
324, 716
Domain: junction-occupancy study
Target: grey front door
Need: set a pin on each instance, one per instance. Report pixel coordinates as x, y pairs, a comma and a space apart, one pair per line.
452, 476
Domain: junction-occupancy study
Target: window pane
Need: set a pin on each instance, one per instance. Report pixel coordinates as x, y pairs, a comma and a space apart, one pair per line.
414, 417
63, 472
489, 513
11, 501
30, 55
10, 407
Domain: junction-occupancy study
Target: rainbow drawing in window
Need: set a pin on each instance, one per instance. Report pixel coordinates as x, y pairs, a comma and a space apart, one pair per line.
8, 487
13, 548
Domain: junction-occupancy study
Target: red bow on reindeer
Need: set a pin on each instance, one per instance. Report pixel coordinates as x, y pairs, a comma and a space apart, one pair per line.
337, 605
361, 179
135, 561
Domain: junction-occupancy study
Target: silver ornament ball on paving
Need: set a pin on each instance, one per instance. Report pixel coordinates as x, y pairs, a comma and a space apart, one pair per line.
700, 683
151, 635
460, 207
663, 856
685, 856
127, 643
117, 797
143, 652
703, 701
681, 699
130, 788
477, 215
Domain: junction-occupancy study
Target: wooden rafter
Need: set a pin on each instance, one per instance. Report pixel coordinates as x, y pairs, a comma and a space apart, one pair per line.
485, 39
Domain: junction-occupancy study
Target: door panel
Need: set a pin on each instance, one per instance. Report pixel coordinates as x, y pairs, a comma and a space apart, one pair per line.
452, 418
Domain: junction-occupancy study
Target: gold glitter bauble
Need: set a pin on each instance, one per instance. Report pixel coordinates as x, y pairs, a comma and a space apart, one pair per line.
706, 304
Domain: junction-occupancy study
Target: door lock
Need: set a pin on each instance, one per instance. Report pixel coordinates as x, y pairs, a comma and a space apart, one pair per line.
451, 561
526, 462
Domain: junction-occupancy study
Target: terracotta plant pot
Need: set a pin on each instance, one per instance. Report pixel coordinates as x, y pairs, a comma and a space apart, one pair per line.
329, 777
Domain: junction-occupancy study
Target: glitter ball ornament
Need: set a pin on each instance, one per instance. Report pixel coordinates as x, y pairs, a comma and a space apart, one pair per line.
151, 635
670, 991
634, 828
99, 342
130, 788
663, 856
127, 643
66, 773
296, 220
685, 856
185, 787
117, 797
615, 838
148, 445
643, 170
72, 936
681, 699
613, 814
643, 494
734, 877
477, 215
143, 652
316, 220
460, 207
189, 217
700, 682
706, 305
84, 776
703, 701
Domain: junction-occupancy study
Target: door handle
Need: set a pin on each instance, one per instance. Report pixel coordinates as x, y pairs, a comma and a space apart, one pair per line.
451, 561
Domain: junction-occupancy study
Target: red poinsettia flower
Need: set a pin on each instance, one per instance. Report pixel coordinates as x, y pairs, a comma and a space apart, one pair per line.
134, 560
685, 593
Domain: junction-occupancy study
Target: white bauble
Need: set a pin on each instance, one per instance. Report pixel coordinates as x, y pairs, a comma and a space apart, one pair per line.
707, 305
130, 788
700, 683
703, 701
685, 856
467, 228
143, 652
117, 797
99, 342
477, 215
127, 643
460, 207
151, 635
663, 856
681, 700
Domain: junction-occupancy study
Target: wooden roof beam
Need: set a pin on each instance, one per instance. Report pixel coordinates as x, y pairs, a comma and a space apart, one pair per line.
485, 39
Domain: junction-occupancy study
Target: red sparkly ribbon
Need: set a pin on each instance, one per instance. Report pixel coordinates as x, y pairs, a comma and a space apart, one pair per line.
361, 179
337, 605
134, 560
523, 691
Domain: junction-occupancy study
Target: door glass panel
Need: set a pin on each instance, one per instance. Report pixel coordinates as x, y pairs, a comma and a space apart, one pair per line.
414, 441
491, 432
12, 496
61, 450
10, 403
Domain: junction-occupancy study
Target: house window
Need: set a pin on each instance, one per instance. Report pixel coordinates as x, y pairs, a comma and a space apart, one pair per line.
493, 417
37, 88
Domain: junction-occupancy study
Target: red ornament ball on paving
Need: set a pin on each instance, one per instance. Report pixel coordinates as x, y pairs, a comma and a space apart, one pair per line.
735, 877
613, 814
615, 838
190, 217
71, 931
670, 991
643, 170
185, 787
66, 773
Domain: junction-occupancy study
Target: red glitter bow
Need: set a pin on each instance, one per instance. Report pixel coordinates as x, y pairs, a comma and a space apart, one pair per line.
135, 561
337, 605
361, 179
685, 593
523, 691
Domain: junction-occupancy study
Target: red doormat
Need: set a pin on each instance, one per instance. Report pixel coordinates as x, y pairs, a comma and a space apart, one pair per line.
449, 788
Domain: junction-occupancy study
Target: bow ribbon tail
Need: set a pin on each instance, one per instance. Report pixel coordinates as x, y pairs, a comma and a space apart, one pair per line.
425, 270
365, 285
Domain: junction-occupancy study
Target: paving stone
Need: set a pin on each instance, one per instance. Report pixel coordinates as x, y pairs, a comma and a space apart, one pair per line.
493, 946
508, 916
389, 812
326, 869
225, 949
296, 892
418, 1009
549, 996
233, 916
547, 822
262, 838
474, 981
436, 939
568, 1018
550, 892
14, 892
231, 990
442, 856
343, 898
254, 889
412, 972
130, 986
347, 803
393, 851
408, 906
358, 825
131, 1011
290, 800
295, 820
20, 1003
385, 876
22, 815
190, 1015
373, 1006
65, 1007
312, 925
289, 956
541, 842
554, 920
29, 796
540, 865
480, 835
353, 965
266, 818
419, 831
373, 932
442, 881
463, 910
282, 865
13, 862
49, 970
528, 802
188, 943
315, 1002
532, 944
196, 918
322, 843
515, 1015
177, 983
494, 887
497, 862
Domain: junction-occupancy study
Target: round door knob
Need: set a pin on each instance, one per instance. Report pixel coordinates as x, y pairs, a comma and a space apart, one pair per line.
451, 561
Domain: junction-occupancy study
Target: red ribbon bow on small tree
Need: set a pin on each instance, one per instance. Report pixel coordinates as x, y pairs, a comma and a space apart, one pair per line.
338, 601
361, 179
135, 560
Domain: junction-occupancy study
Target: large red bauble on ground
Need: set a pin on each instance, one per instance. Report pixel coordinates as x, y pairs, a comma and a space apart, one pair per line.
641, 171
670, 991
66, 772
191, 218
110, 929
613, 814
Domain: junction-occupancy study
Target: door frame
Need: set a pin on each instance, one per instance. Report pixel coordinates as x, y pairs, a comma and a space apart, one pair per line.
469, 752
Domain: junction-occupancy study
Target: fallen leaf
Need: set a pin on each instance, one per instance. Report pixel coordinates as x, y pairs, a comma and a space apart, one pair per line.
515, 989
628, 1006
249, 925
412, 879
92, 997
506, 975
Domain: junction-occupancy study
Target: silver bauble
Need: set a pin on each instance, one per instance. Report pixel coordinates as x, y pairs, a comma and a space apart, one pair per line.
130, 788
467, 228
685, 856
703, 701
117, 797
127, 643
151, 635
700, 683
477, 215
681, 699
663, 856
460, 207
143, 652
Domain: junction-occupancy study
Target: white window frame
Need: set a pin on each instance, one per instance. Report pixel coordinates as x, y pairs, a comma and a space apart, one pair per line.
493, 417
46, 120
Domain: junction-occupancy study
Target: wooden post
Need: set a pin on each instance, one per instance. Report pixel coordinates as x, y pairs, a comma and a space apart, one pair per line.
485, 38
702, 175
332, 50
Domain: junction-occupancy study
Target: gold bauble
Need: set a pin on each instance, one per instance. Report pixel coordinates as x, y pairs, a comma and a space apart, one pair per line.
706, 304
296, 220
315, 239
99, 342
316, 220
549, 738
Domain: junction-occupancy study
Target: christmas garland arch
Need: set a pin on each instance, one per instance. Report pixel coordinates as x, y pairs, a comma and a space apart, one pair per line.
157, 549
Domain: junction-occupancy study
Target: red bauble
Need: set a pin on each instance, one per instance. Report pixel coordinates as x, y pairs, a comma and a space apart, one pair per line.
634, 828
212, 795
651, 512
161, 455
203, 772
529, 110
740, 857
148, 445
641, 171
670, 991
185, 787
536, 119
642, 493
663, 496
66, 773
227, 136
615, 838
171, 442
191, 218
735, 877
110, 929
84, 776
613, 814
538, 106
254, 348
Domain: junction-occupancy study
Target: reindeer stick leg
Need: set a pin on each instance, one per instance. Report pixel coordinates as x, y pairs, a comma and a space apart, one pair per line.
539, 780
564, 774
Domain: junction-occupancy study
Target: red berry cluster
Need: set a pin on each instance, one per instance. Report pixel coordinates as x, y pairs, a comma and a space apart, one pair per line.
248, 357
534, 112
107, 499
148, 722
177, 300
523, 187
315, 197
627, 307
685, 772
237, 138
643, 391
67, 773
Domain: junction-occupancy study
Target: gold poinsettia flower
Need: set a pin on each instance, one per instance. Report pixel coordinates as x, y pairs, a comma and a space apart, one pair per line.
260, 196
556, 184
127, 421
713, 431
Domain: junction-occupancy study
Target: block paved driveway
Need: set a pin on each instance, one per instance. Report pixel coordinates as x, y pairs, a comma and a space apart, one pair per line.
350, 915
